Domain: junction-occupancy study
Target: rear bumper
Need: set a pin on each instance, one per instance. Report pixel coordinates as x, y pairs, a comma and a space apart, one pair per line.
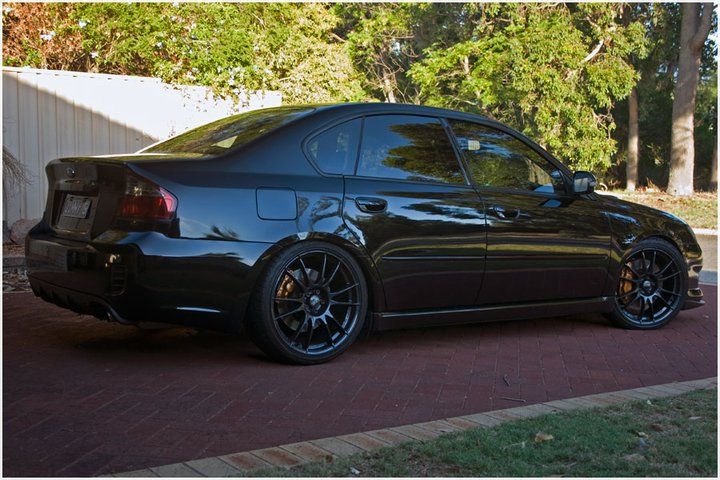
146, 277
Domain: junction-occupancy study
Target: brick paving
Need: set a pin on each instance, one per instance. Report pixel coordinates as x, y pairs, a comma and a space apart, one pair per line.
229, 466
84, 397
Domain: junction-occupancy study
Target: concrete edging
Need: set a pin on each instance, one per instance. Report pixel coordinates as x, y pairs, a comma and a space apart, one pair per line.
325, 449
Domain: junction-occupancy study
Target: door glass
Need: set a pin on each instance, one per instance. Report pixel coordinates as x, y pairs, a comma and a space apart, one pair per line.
497, 159
407, 147
335, 149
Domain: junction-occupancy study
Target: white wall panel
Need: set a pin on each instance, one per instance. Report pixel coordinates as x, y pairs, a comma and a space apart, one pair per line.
49, 114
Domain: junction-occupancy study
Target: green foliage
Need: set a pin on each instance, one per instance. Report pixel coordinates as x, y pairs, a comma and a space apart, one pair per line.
532, 66
227, 46
556, 72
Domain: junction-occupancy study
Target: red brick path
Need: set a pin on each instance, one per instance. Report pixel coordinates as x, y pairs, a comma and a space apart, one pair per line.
84, 397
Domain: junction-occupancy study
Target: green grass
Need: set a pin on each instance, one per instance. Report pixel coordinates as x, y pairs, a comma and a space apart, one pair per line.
670, 437
699, 210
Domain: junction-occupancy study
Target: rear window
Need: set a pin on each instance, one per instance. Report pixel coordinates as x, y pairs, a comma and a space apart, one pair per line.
229, 133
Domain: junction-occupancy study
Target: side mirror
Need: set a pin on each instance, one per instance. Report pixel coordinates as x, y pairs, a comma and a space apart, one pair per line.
584, 182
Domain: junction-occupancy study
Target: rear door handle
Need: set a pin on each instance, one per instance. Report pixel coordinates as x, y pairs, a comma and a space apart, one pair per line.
371, 204
506, 213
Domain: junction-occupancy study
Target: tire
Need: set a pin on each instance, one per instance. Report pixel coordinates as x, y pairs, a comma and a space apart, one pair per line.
651, 287
310, 304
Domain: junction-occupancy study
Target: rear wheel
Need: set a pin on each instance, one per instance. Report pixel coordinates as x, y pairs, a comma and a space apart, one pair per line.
310, 304
652, 286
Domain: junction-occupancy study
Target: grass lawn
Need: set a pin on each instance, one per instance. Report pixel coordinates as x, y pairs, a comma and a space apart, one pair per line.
700, 210
668, 437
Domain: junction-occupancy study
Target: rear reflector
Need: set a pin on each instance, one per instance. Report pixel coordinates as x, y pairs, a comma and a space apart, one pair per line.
144, 200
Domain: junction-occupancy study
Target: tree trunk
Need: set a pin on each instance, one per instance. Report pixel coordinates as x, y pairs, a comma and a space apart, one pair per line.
631, 168
713, 169
694, 29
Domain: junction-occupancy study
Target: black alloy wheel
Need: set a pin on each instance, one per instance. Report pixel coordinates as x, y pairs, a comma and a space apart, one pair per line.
311, 304
652, 286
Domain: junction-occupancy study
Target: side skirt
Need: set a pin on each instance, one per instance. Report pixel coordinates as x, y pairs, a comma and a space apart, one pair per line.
489, 313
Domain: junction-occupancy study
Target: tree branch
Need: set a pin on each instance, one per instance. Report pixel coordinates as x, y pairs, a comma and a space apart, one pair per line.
704, 27
595, 51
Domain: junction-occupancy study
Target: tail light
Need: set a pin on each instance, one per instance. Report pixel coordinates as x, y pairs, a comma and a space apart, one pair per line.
146, 201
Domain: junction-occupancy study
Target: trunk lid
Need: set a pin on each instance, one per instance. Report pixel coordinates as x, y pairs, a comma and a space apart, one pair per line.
84, 193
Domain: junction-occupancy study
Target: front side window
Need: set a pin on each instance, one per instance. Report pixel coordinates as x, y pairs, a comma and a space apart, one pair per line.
334, 150
497, 159
407, 147
228, 133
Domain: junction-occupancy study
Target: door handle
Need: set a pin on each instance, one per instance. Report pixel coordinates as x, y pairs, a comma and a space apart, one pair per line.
371, 204
506, 213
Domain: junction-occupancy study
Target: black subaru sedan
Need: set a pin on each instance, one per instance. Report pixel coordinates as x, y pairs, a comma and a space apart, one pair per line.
308, 225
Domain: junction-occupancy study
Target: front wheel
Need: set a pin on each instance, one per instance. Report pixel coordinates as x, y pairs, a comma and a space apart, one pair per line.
652, 286
310, 304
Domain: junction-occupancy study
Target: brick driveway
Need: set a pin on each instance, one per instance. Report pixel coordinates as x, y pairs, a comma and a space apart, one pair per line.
84, 397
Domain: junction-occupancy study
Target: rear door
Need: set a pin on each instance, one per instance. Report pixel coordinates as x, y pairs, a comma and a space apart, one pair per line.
544, 243
411, 206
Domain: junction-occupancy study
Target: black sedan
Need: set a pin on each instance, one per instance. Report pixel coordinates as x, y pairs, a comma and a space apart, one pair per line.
309, 225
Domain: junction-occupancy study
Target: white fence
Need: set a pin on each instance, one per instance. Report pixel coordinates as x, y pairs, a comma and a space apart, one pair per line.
49, 114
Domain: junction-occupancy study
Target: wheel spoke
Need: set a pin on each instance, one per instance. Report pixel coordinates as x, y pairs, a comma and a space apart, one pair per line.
659, 297
329, 333
644, 260
651, 310
669, 264
335, 294
629, 266
306, 278
652, 262
290, 274
299, 329
669, 276
350, 304
627, 293
308, 340
332, 275
288, 299
321, 280
291, 312
340, 327
642, 310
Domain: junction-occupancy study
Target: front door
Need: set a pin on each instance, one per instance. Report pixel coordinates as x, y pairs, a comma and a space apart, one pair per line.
411, 206
544, 243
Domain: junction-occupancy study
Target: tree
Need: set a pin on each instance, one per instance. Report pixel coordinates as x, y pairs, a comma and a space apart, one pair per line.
227, 46
694, 29
551, 71
633, 141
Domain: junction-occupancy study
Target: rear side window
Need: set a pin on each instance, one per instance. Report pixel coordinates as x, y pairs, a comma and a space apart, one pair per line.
335, 150
497, 159
407, 147
229, 133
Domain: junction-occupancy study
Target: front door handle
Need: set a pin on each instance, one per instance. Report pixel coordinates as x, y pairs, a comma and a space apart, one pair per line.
506, 213
371, 204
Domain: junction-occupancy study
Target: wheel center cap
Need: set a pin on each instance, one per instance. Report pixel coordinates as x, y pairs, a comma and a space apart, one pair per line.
648, 285
314, 301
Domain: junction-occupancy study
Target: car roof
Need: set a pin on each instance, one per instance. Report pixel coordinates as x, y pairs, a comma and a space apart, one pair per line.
403, 108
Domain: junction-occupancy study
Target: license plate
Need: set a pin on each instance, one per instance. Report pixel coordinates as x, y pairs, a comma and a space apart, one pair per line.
76, 207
